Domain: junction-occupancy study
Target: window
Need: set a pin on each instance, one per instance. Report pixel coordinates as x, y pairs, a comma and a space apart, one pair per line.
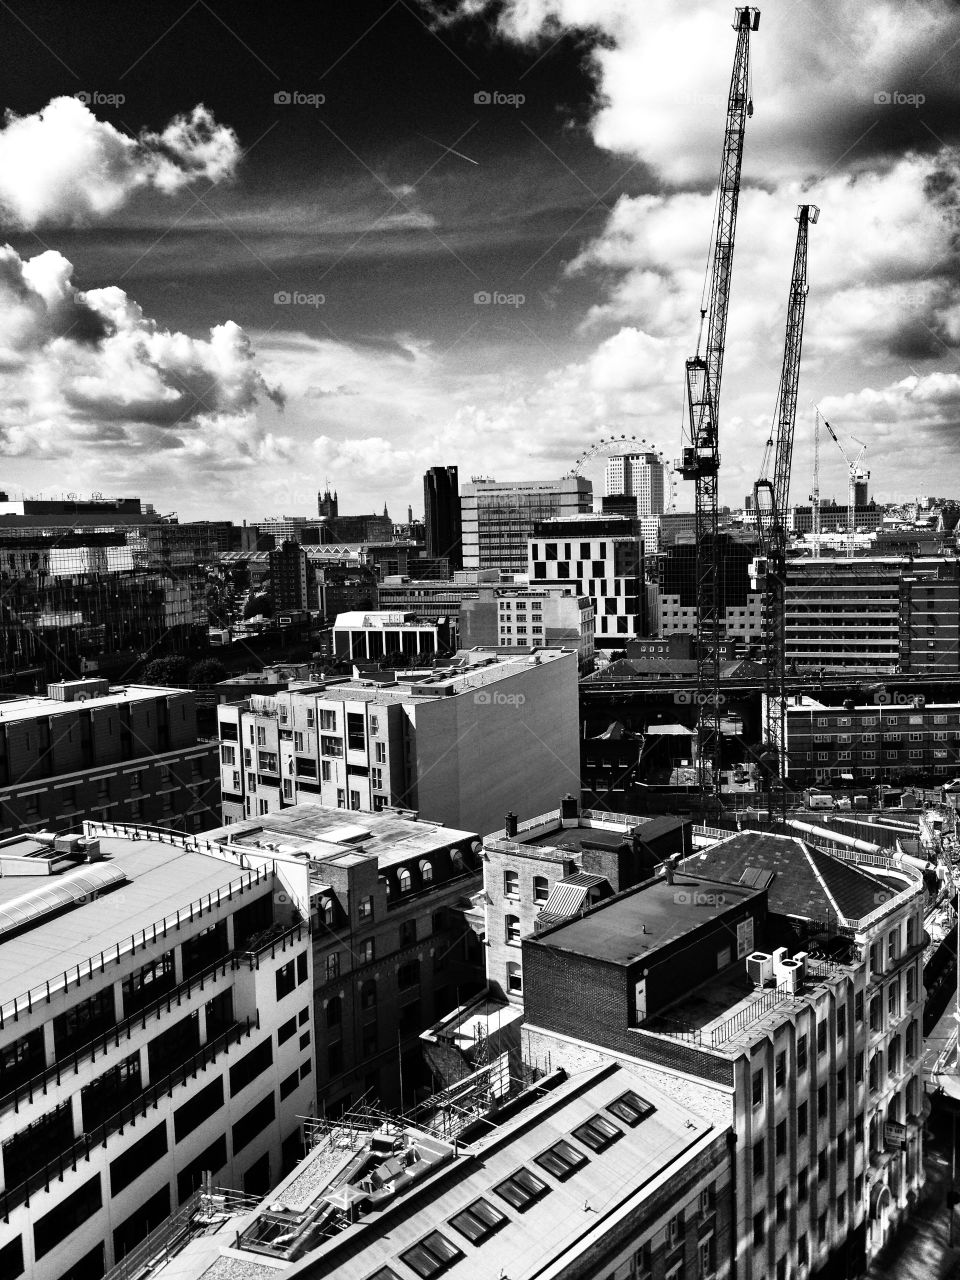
328, 720
561, 1159
822, 1104
541, 889
404, 880
334, 1012
514, 978
366, 908
781, 1206
286, 980
803, 1255
802, 1189
781, 1138
432, 1255
757, 1088
521, 1189
759, 1158
841, 1084
332, 966
228, 755
366, 951
630, 1108
511, 884
858, 1007
780, 1070
479, 1221
822, 1036
512, 929
841, 1021
426, 871
598, 1133
801, 1054
250, 1066
758, 1229
368, 994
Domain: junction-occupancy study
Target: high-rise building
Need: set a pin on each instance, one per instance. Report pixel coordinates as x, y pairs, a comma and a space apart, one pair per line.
441, 507
293, 579
498, 518
638, 475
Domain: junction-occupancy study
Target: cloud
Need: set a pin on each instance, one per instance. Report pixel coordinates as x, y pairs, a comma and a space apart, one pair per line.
86, 366
63, 166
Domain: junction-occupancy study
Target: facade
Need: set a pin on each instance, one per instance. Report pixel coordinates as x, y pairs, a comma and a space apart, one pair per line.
579, 1178
529, 617
382, 634
930, 619
449, 746
89, 750
638, 475
390, 949
148, 993
498, 518
435, 598
843, 613
441, 518
660, 532
741, 622
883, 740
703, 976
600, 557
284, 528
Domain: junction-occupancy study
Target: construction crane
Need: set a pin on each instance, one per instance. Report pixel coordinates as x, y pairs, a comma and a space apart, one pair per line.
771, 497
856, 476
700, 461
815, 495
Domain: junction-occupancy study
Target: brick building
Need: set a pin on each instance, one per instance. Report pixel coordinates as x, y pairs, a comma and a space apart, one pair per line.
91, 750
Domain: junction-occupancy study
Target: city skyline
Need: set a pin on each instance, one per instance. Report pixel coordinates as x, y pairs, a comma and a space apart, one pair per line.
150, 236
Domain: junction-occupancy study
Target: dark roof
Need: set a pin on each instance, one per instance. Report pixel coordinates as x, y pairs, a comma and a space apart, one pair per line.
640, 921
805, 881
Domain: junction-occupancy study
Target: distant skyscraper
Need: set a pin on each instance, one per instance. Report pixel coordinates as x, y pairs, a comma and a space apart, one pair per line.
441, 515
641, 476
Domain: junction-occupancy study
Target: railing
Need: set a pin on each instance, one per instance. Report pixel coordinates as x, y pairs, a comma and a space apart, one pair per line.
541, 820
41, 994
251, 956
194, 1215
727, 1030
615, 819
55, 1169
111, 1038
713, 833
403, 899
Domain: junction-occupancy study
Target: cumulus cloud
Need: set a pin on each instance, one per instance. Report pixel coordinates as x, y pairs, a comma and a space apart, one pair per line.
83, 366
63, 166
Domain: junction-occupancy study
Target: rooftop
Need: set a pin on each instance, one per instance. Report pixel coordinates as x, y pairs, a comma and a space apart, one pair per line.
31, 707
640, 920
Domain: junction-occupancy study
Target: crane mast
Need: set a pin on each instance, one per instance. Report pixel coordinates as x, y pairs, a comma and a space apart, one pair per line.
771, 497
701, 457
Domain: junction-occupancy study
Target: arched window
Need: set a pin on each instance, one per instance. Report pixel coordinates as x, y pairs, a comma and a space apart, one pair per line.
426, 871
405, 880
456, 857
368, 994
541, 889
328, 910
334, 1012
514, 978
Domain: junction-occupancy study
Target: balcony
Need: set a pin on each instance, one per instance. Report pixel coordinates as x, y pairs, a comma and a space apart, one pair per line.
67, 1160
111, 1038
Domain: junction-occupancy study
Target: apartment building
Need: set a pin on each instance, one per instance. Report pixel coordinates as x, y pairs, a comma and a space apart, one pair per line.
600, 557
498, 518
740, 622
882, 740
381, 634
529, 618
391, 948
89, 749
155, 1024
449, 746
701, 981
579, 1178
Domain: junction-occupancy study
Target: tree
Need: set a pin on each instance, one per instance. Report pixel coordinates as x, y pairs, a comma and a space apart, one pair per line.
207, 671
170, 671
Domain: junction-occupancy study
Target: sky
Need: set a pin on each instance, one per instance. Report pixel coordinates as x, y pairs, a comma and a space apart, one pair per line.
249, 248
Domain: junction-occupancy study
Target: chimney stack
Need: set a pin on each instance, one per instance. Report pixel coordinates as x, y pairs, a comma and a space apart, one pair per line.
511, 825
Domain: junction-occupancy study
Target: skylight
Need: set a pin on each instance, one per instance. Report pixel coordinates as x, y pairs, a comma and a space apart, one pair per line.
479, 1221
630, 1108
522, 1189
598, 1133
561, 1159
432, 1255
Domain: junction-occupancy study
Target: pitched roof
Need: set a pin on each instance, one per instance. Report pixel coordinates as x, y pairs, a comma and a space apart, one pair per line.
804, 881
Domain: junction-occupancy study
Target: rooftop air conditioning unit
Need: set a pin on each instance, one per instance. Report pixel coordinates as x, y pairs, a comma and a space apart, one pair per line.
90, 848
790, 975
801, 959
760, 968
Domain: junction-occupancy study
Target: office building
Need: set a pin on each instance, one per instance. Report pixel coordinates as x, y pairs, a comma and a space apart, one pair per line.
391, 952
449, 746
580, 1177
498, 518
641, 476
293, 580
600, 557
382, 635
156, 1021
441, 507
529, 618
886, 739
91, 750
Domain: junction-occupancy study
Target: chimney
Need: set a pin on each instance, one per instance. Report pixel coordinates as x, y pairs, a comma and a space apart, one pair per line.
668, 871
510, 822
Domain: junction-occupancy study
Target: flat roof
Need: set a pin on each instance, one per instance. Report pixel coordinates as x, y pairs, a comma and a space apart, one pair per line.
638, 922
161, 878
31, 708
327, 834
